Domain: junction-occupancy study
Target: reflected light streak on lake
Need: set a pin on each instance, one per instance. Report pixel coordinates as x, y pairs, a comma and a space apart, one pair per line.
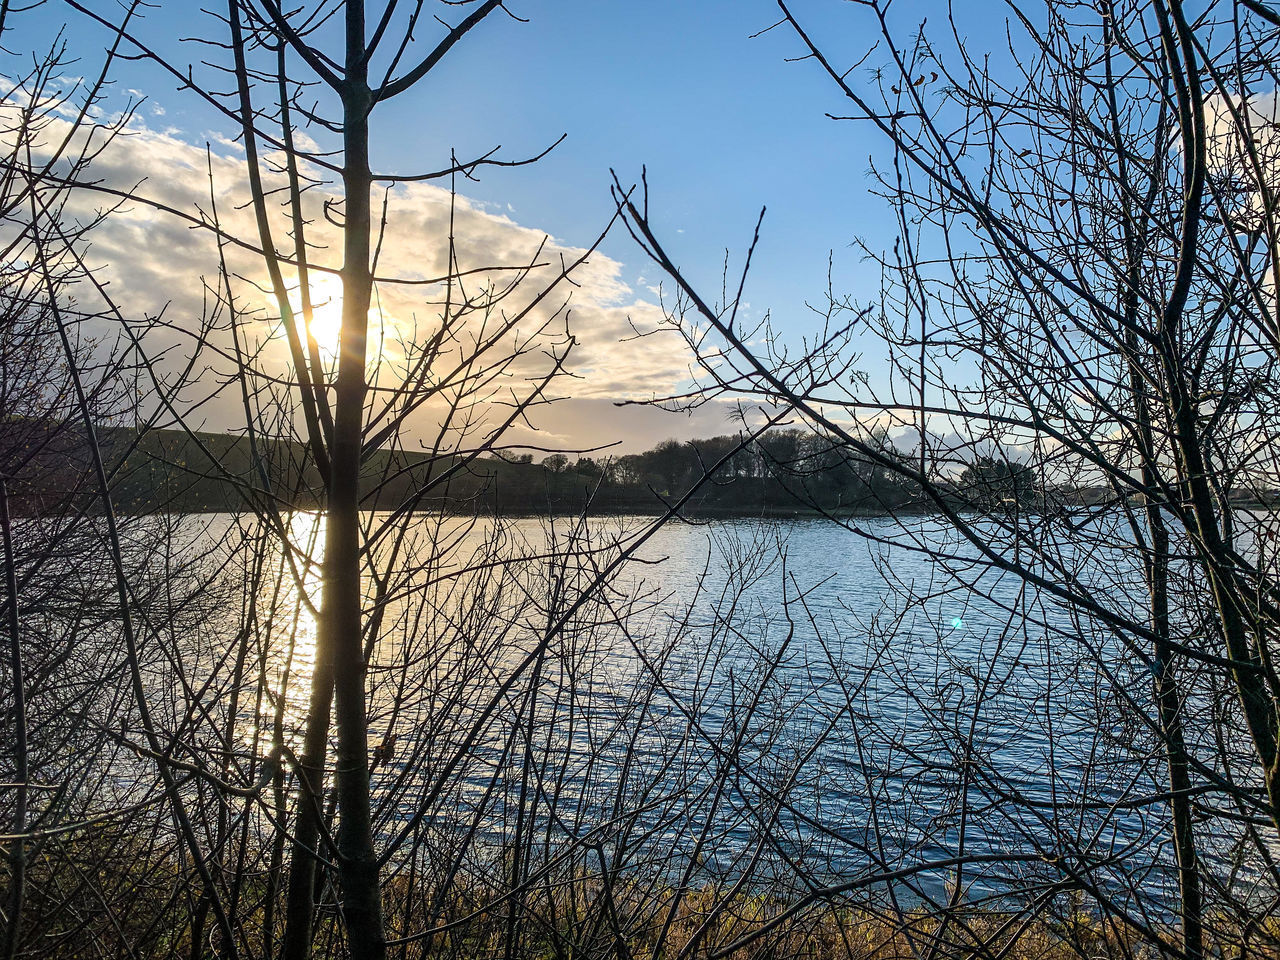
867, 658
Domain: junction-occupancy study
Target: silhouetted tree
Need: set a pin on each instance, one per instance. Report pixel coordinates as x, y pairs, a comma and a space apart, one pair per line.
1089, 226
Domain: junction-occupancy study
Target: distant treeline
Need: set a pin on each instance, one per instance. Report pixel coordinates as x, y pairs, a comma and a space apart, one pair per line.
780, 473
786, 471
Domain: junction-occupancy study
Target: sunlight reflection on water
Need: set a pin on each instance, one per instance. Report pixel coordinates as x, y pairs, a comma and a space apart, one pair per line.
868, 654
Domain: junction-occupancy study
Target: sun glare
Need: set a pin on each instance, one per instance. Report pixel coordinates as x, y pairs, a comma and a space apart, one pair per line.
326, 312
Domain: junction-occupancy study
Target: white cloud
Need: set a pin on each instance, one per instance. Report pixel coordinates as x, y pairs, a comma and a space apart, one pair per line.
156, 261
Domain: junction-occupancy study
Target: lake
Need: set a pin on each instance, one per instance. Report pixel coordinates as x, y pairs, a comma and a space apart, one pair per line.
769, 702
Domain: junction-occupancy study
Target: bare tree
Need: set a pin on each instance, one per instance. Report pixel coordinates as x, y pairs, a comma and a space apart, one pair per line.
361, 729
1082, 291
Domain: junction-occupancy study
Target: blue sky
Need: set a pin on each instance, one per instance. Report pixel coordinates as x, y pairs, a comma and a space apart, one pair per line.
723, 123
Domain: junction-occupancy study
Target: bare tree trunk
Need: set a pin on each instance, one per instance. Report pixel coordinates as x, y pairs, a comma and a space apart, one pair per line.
1239, 623
300, 906
1156, 569
1168, 700
18, 849
340, 663
340, 604
1169, 704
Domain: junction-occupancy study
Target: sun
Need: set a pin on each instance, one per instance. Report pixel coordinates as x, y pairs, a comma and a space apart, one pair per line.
326, 312
325, 325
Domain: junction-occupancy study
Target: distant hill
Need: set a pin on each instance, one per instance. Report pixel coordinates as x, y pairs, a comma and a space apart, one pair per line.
784, 473
50, 468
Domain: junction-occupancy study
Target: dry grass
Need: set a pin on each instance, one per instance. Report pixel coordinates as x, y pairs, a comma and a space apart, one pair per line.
114, 894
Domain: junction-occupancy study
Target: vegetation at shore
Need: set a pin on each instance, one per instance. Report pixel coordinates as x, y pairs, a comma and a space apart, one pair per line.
130, 905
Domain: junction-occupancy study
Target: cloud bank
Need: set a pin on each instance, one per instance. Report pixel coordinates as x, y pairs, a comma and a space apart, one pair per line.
160, 257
